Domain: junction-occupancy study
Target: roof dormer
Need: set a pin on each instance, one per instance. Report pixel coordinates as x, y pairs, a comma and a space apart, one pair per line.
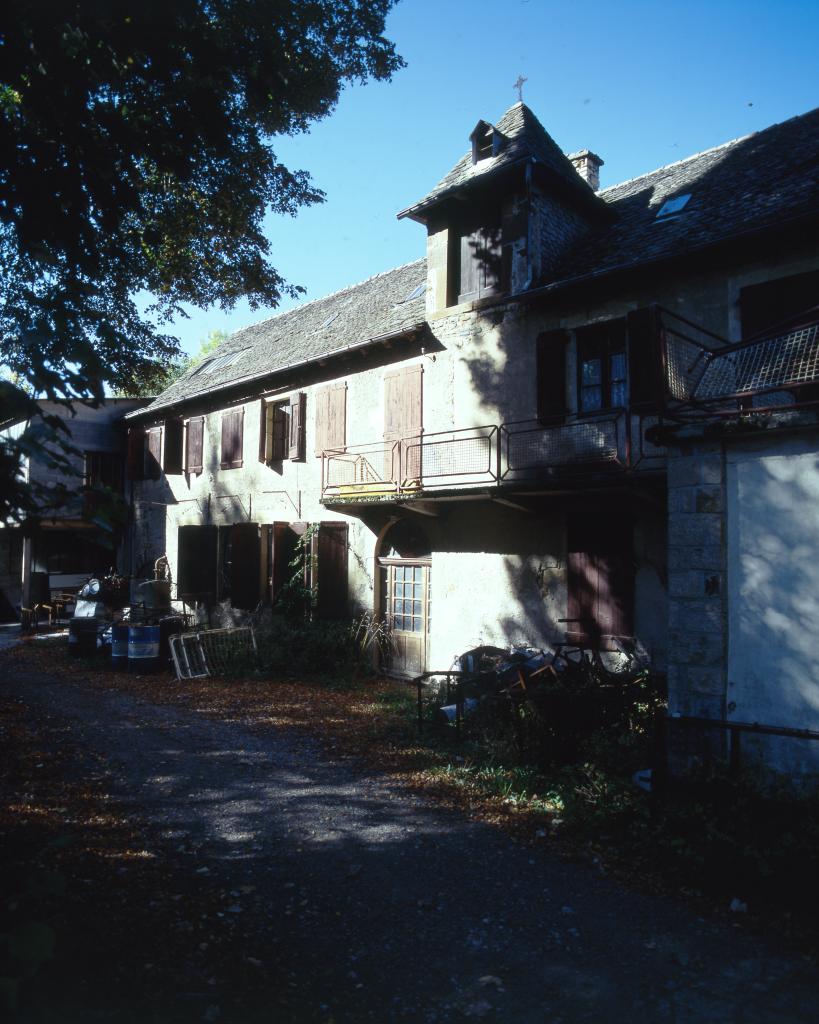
486, 141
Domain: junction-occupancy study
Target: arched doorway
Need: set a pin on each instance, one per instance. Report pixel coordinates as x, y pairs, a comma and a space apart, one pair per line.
404, 565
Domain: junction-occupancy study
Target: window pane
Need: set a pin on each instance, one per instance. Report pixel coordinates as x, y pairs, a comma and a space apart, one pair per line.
590, 372
618, 393
416, 607
591, 399
618, 366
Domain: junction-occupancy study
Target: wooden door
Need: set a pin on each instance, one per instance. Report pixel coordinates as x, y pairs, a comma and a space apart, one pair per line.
599, 575
403, 423
406, 605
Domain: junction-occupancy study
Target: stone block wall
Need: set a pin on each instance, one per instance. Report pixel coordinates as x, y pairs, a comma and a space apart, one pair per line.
697, 613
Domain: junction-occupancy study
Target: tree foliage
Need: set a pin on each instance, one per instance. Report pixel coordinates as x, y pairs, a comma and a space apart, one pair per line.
139, 156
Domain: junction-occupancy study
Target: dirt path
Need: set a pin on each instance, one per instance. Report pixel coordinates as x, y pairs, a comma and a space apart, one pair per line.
360, 902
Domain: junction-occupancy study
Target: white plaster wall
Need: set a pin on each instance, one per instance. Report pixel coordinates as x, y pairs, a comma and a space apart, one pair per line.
773, 594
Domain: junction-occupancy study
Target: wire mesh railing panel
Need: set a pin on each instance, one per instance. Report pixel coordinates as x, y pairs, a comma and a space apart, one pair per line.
442, 456
686, 362
542, 447
787, 361
702, 369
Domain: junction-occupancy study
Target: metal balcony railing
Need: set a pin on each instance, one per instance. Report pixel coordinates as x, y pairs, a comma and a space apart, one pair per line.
525, 451
706, 374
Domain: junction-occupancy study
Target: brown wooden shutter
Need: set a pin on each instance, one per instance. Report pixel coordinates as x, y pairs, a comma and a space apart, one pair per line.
331, 417
322, 404
551, 376
174, 445
265, 411
470, 267
196, 566
643, 359
280, 428
403, 420
153, 455
246, 565
331, 569
232, 438
194, 444
298, 447
136, 453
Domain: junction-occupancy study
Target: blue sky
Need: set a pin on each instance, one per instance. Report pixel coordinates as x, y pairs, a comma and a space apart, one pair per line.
642, 84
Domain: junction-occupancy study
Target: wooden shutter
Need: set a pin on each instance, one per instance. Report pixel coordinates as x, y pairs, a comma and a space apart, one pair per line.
331, 417
551, 376
174, 445
196, 564
233, 423
643, 359
194, 444
153, 455
265, 440
403, 420
470, 266
246, 564
331, 569
136, 453
298, 447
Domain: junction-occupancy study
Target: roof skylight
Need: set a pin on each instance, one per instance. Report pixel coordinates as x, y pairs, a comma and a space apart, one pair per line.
219, 362
671, 207
416, 292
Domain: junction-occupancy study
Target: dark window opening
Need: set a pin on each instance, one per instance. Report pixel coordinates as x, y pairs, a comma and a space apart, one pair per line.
274, 445
785, 302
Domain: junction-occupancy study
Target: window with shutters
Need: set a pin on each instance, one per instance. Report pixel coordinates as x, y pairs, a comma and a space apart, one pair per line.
232, 438
274, 444
331, 418
194, 443
602, 367
153, 454
103, 471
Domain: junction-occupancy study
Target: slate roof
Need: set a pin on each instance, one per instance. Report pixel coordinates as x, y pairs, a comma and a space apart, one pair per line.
351, 318
524, 138
755, 182
752, 183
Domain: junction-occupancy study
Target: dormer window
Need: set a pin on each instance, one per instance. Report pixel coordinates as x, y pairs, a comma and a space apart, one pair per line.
486, 141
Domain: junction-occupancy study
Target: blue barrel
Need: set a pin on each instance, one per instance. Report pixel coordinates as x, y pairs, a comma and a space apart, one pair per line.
119, 647
143, 649
82, 637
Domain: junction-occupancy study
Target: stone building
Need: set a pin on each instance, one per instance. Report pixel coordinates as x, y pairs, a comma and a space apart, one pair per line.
480, 439
80, 538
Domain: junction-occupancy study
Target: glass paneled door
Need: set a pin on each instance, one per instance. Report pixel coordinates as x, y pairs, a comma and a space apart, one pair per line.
406, 605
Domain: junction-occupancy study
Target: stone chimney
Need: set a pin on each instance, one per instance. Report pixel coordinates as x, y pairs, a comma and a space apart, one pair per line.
587, 165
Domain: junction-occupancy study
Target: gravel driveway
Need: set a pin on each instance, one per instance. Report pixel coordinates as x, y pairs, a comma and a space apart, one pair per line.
371, 904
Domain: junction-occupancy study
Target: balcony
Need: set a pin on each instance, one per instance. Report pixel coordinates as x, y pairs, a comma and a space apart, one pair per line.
705, 375
510, 454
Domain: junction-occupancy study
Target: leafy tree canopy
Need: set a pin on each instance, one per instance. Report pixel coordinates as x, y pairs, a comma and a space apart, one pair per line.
138, 155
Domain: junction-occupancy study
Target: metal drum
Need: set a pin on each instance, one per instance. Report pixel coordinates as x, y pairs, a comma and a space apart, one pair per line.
143, 650
119, 647
82, 637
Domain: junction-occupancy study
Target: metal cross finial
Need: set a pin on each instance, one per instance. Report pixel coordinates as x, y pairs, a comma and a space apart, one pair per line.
519, 86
